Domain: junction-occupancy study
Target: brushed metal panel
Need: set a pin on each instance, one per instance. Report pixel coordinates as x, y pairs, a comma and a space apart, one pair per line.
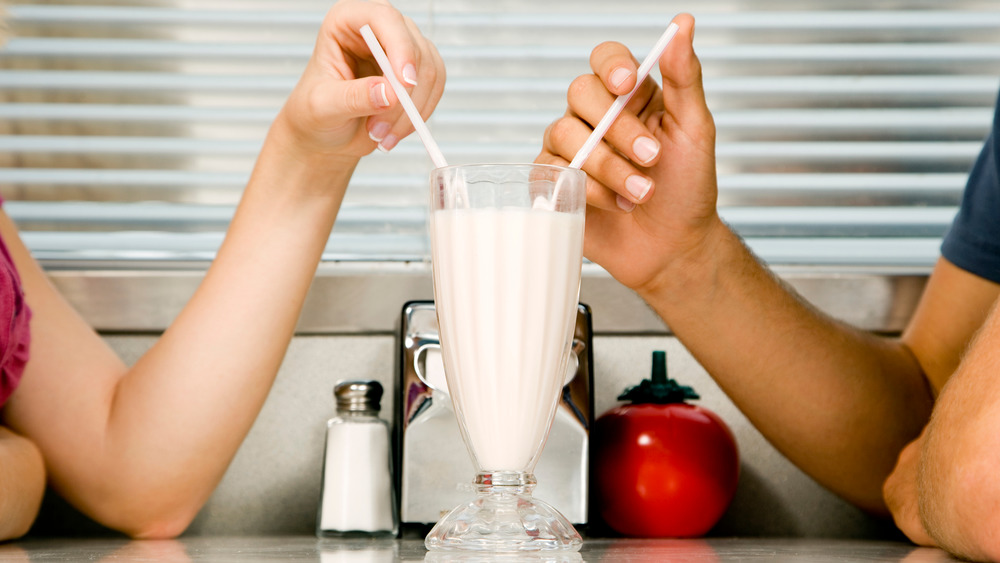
356, 298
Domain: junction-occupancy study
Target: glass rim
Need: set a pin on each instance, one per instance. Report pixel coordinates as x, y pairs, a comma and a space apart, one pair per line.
505, 164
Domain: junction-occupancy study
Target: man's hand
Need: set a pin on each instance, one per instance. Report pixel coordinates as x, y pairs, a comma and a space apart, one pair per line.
901, 495
652, 185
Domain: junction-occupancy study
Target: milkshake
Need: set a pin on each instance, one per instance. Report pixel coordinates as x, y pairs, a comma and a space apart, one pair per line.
507, 284
506, 245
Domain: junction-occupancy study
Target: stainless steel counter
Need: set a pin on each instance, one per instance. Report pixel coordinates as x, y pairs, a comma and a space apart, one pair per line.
303, 548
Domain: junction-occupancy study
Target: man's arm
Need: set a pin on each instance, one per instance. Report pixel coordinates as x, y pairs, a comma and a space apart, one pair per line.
959, 494
22, 483
838, 402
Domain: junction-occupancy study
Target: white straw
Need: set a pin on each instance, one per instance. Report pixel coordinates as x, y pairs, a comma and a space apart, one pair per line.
619, 103
404, 98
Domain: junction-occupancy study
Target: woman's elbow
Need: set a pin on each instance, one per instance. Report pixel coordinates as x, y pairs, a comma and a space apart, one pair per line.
158, 527
146, 516
151, 526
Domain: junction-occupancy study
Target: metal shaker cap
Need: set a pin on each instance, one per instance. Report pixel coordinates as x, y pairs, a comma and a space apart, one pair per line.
355, 396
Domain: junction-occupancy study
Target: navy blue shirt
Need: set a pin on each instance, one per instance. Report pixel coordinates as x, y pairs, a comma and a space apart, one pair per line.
973, 242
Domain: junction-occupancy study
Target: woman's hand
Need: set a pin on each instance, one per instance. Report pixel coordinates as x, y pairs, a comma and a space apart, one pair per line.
652, 184
22, 483
342, 106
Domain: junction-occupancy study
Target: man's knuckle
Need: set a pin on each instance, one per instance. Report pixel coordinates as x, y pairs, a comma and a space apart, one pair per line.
560, 130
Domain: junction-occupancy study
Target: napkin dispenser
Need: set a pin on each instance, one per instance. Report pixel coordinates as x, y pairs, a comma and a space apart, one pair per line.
435, 468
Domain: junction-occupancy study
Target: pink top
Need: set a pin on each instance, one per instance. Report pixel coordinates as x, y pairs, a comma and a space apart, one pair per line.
15, 334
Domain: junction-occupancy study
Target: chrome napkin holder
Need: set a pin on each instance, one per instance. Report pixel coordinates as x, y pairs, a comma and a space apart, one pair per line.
435, 470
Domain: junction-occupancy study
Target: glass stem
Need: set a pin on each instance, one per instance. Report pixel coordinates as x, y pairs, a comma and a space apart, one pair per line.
504, 483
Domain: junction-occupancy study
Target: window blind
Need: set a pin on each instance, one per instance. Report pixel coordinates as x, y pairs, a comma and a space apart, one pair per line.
845, 127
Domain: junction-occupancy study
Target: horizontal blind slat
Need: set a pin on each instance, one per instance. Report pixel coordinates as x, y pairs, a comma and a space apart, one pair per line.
818, 88
873, 20
484, 55
954, 120
816, 151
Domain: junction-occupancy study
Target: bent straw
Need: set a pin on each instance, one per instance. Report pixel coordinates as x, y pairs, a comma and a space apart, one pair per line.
404, 98
619, 103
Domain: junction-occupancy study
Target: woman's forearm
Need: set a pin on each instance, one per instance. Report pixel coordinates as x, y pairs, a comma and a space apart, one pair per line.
22, 484
140, 448
227, 343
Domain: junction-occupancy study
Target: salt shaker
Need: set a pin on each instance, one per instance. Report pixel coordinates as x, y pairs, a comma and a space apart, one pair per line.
357, 492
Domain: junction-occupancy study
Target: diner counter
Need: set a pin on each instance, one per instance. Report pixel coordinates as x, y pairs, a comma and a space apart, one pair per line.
303, 549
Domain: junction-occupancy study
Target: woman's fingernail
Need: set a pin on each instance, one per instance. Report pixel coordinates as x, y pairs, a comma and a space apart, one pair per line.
637, 186
378, 131
624, 204
619, 76
387, 143
410, 74
645, 149
378, 96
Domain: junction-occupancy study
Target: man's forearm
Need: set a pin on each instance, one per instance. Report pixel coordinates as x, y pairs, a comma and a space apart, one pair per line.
22, 483
959, 490
840, 403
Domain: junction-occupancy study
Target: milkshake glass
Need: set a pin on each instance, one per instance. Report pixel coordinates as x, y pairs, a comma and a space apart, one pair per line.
506, 246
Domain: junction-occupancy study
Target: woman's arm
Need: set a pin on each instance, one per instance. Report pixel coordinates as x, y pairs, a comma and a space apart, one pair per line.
141, 448
22, 483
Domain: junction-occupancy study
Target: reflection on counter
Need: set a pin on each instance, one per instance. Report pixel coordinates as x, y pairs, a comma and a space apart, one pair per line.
645, 551
357, 551
94, 549
13, 553
150, 550
485, 557
307, 549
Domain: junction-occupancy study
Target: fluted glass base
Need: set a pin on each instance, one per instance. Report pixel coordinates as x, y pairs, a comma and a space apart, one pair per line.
504, 518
